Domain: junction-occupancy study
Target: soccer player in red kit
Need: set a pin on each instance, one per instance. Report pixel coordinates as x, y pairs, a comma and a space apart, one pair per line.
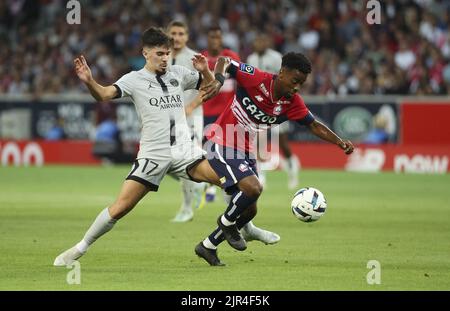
261, 101
214, 107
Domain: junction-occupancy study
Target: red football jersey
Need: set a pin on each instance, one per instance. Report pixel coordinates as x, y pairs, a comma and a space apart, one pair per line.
217, 104
253, 109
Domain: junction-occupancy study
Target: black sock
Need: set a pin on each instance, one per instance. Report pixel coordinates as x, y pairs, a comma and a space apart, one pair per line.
217, 237
238, 204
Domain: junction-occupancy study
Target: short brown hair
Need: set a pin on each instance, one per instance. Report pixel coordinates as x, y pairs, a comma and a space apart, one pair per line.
155, 37
178, 24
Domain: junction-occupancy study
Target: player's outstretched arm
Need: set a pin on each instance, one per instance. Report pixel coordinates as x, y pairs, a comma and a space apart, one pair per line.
322, 131
99, 92
200, 63
211, 89
222, 65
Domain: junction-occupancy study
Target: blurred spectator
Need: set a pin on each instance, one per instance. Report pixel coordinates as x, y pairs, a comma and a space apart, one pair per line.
264, 57
107, 131
379, 134
404, 57
107, 141
408, 52
56, 132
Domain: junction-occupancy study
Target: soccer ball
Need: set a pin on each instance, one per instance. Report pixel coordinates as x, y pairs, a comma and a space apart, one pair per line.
308, 204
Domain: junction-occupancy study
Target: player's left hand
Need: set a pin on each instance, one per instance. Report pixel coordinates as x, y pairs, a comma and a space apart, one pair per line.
210, 90
200, 62
347, 146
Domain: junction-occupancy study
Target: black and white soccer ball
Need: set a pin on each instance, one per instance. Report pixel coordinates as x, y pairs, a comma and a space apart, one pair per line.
308, 204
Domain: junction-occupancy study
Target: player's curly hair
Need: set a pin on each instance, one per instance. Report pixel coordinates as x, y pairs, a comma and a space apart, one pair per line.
155, 37
298, 61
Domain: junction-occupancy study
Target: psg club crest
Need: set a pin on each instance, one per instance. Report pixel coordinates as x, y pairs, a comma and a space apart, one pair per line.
277, 110
174, 82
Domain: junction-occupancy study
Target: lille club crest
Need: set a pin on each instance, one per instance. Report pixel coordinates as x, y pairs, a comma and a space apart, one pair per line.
243, 167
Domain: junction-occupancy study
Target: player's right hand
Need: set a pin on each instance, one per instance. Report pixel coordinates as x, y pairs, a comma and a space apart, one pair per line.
200, 62
82, 69
347, 146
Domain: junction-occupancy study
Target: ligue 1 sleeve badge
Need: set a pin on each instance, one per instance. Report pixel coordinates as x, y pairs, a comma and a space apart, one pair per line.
247, 68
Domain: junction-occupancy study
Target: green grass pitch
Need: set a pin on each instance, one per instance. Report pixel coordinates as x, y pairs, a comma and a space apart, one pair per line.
402, 221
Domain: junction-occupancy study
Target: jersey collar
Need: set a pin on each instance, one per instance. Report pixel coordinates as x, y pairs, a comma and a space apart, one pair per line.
153, 74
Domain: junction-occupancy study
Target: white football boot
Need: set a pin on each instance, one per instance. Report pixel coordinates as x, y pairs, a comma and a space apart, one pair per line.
67, 257
252, 233
184, 215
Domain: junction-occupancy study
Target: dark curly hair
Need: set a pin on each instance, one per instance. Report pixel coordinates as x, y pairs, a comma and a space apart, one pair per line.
297, 61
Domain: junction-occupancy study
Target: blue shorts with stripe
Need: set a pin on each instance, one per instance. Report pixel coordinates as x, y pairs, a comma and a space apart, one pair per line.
230, 165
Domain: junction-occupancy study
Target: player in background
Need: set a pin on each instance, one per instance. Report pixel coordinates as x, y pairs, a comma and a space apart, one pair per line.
214, 107
269, 60
181, 54
261, 101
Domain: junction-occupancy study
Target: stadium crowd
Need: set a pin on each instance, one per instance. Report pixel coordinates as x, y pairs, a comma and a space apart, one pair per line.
407, 53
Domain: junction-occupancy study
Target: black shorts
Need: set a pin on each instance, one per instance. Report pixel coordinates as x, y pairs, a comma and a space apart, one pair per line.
207, 127
230, 165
